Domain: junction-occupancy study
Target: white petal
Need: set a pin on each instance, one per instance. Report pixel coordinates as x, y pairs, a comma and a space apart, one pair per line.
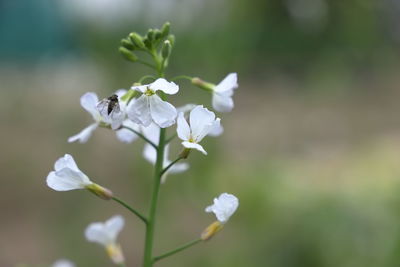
89, 102
67, 179
105, 233
125, 135
66, 162
63, 263
216, 130
152, 132
201, 120
228, 83
150, 154
182, 129
186, 108
163, 85
140, 88
179, 167
162, 112
84, 135
222, 103
224, 206
95, 232
114, 225
139, 111
194, 146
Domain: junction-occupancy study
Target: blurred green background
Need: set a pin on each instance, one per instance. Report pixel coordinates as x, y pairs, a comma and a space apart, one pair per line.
312, 148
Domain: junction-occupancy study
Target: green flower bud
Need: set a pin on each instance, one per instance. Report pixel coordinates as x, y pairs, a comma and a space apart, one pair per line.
171, 39
150, 35
157, 34
165, 29
166, 49
127, 44
128, 54
137, 40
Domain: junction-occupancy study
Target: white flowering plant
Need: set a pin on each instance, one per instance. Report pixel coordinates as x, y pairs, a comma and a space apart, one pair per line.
145, 112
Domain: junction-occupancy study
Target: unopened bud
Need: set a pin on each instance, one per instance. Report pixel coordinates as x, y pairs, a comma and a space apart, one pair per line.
165, 29
211, 230
128, 54
129, 95
150, 35
185, 153
203, 84
137, 40
157, 34
127, 44
166, 49
171, 39
114, 251
100, 191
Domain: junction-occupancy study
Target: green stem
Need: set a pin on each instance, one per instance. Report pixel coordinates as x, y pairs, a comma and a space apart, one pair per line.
170, 165
148, 249
172, 252
131, 209
140, 135
182, 77
141, 80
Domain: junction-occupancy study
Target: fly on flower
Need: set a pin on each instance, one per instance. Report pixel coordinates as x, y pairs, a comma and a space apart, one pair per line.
109, 105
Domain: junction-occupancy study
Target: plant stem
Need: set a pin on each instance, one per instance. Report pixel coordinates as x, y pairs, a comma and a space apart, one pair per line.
141, 80
148, 248
140, 135
172, 252
170, 165
131, 209
182, 77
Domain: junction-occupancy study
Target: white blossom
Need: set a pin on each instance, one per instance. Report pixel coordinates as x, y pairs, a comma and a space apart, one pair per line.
67, 176
89, 101
63, 263
222, 93
106, 235
202, 122
224, 206
149, 107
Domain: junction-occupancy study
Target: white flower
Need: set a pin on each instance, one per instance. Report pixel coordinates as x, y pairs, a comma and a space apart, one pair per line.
224, 206
149, 107
106, 235
63, 263
150, 154
223, 92
89, 102
67, 176
202, 122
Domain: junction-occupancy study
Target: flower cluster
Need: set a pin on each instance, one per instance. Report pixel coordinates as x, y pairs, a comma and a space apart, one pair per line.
143, 111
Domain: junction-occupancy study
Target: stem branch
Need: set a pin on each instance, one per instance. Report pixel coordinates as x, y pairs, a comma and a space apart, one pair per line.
172, 252
144, 219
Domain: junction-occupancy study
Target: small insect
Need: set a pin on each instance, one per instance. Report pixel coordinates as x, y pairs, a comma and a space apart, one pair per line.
110, 104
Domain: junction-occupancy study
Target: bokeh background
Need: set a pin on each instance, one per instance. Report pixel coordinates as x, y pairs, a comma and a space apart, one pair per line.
312, 148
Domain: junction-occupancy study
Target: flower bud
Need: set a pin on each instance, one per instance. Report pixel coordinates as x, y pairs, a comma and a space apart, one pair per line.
150, 35
114, 251
165, 29
137, 40
128, 54
185, 153
171, 39
166, 49
211, 230
157, 34
129, 95
100, 191
203, 84
127, 44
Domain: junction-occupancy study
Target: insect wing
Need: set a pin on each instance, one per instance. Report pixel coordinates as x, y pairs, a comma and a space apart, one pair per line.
115, 113
102, 106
